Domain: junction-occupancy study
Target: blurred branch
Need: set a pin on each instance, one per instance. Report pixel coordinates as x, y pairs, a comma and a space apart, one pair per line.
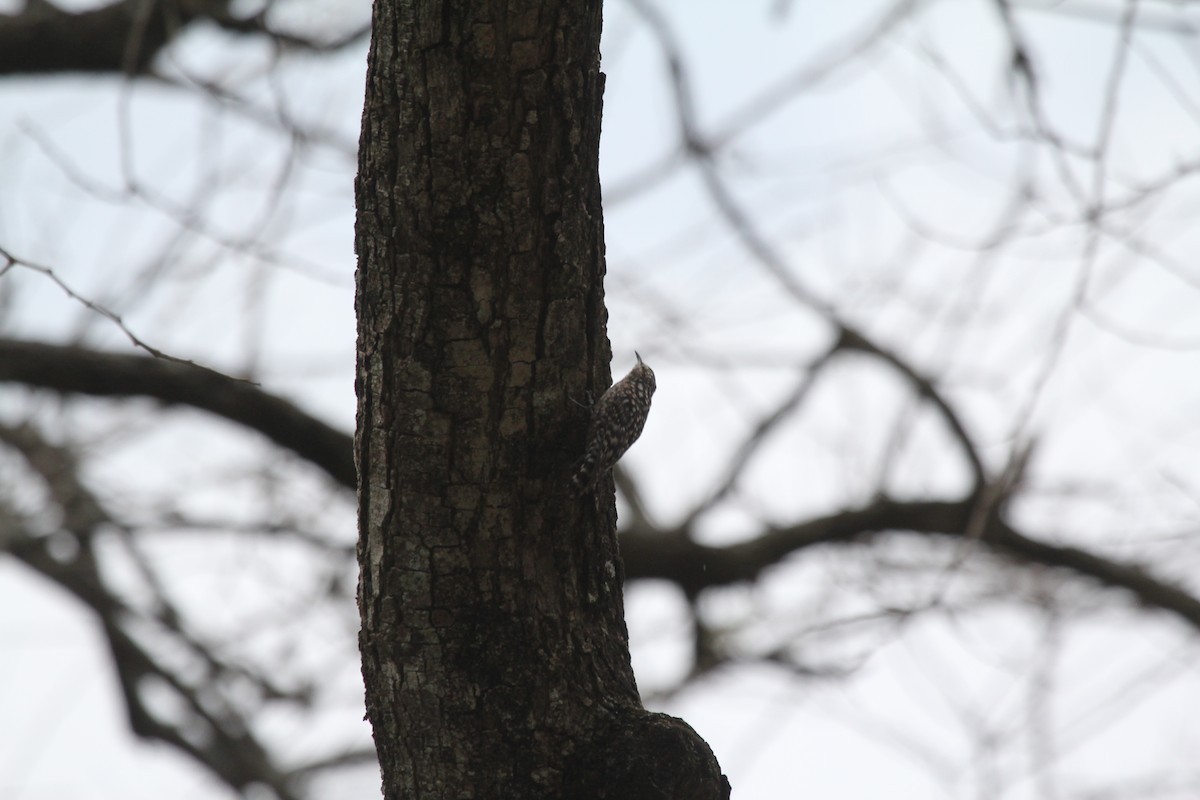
76, 370
759, 436
122, 37
674, 556
925, 388
8, 261
125, 36
1021, 66
211, 729
849, 337
258, 24
809, 75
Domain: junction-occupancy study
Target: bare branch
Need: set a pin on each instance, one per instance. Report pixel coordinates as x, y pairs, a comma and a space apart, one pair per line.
226, 747
770, 258
76, 370
760, 435
673, 556
10, 261
126, 36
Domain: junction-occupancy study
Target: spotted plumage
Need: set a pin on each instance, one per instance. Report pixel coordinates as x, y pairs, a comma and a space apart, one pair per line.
617, 421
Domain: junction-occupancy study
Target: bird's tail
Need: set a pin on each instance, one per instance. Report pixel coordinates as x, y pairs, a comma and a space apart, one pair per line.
585, 475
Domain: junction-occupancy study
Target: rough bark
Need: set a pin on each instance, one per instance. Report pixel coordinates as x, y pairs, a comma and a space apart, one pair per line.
495, 654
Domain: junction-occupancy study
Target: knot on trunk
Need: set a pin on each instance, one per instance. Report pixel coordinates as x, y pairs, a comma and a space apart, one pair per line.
646, 756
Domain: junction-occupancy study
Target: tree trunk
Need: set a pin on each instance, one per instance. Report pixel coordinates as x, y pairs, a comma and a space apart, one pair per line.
494, 647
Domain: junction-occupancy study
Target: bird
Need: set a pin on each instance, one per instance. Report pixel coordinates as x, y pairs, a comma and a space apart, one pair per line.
618, 418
